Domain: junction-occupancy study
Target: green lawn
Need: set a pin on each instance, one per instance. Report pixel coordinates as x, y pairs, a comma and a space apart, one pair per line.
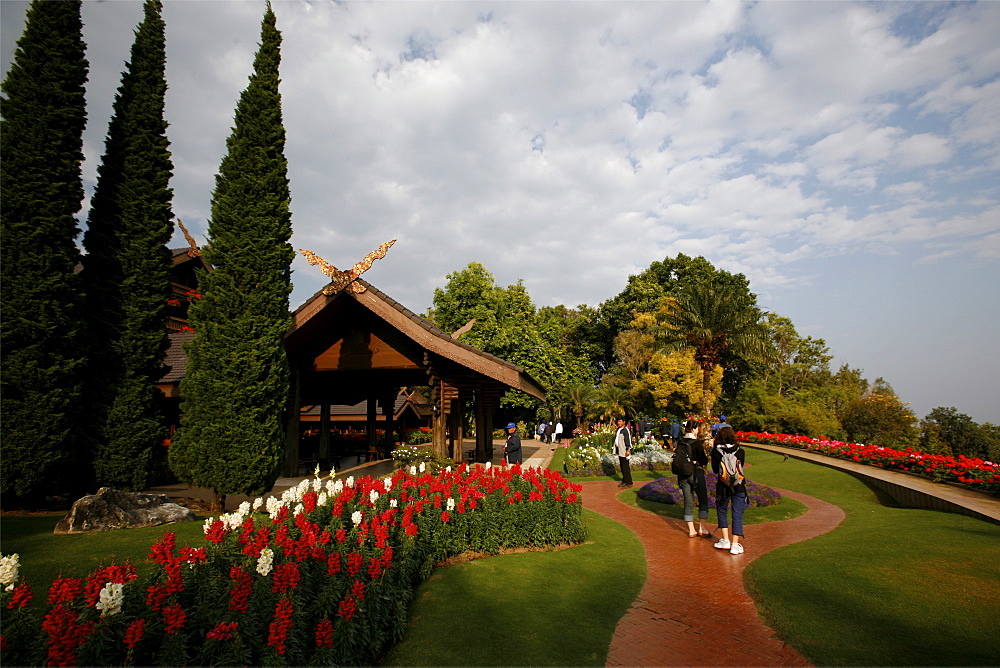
889, 586
541, 608
45, 556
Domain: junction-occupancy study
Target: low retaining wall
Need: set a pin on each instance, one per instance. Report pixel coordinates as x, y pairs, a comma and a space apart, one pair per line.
907, 490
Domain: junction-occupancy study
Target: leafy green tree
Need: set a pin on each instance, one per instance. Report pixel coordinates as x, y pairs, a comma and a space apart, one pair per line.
507, 326
717, 321
236, 384
126, 272
580, 397
44, 114
880, 418
959, 434
611, 402
675, 382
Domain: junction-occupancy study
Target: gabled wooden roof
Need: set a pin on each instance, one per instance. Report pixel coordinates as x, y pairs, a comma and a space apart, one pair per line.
458, 361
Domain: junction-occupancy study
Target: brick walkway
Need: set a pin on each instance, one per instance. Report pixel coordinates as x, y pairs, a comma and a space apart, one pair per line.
705, 620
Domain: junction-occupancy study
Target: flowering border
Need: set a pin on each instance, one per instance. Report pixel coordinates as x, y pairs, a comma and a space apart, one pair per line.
321, 576
971, 472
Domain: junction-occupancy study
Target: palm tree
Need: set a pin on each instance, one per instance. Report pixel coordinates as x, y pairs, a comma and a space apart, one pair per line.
717, 321
579, 397
611, 402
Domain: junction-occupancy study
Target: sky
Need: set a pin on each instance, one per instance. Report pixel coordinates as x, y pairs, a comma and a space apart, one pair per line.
844, 156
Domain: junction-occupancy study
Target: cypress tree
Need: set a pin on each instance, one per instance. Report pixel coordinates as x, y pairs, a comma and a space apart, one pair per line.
44, 115
126, 270
236, 381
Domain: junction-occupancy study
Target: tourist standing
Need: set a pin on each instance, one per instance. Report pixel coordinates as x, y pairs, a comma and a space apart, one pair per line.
549, 430
676, 431
728, 459
691, 477
512, 448
559, 431
623, 448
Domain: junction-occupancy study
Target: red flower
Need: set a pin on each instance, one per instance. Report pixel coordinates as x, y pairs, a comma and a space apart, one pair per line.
445, 516
21, 596
223, 631
240, 596
173, 618
324, 634
354, 563
65, 590
156, 596
286, 576
346, 608
134, 633
216, 532
278, 630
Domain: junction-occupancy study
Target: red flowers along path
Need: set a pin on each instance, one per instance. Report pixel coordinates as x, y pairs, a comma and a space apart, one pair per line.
677, 620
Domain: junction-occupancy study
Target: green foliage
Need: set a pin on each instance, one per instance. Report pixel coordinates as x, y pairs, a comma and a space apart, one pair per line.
237, 380
42, 346
880, 418
507, 326
126, 271
410, 455
947, 431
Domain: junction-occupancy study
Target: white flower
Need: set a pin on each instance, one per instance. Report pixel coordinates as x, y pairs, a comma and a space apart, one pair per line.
387, 483
488, 464
338, 487
257, 503
423, 467
332, 472
265, 560
299, 508
8, 569
373, 496
322, 499
413, 470
244, 508
316, 472
356, 517
451, 504
111, 597
393, 503
447, 469
350, 481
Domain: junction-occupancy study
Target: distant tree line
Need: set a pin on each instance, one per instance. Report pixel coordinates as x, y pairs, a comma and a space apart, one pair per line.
685, 338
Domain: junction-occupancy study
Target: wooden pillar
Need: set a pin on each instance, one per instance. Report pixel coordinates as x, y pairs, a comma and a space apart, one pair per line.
324, 430
388, 410
440, 421
372, 422
290, 467
455, 428
483, 436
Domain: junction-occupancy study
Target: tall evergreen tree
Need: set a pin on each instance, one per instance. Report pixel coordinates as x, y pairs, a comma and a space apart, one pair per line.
237, 378
126, 271
44, 115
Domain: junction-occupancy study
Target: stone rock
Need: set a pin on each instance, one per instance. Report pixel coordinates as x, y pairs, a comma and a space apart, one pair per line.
114, 509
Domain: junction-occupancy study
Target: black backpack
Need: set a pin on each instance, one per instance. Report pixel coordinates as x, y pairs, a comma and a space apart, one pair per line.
682, 464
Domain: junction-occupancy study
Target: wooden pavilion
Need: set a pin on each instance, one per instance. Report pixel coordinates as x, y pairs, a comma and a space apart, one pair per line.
350, 345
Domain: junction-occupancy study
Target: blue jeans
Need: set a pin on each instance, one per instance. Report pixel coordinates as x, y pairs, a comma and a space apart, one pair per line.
691, 485
722, 498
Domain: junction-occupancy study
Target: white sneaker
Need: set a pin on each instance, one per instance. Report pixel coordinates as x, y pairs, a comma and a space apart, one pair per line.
736, 549
723, 544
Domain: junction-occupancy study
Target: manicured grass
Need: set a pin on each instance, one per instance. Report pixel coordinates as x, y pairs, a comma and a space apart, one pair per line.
45, 556
786, 510
542, 608
889, 586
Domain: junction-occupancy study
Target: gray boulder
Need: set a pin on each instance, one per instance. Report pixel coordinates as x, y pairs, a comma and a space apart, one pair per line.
113, 509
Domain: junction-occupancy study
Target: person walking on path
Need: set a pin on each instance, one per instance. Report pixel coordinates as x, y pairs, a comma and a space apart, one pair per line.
663, 430
512, 448
549, 430
623, 448
691, 460
676, 431
559, 431
728, 459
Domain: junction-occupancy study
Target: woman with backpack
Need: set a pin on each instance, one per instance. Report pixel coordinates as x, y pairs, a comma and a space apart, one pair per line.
727, 463
689, 465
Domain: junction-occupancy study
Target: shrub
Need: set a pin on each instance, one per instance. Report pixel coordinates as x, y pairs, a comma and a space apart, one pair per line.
665, 490
419, 435
324, 577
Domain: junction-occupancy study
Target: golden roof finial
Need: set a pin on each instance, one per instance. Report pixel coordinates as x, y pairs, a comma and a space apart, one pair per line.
346, 279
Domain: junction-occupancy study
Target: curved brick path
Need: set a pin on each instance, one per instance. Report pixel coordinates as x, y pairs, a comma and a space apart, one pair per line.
708, 620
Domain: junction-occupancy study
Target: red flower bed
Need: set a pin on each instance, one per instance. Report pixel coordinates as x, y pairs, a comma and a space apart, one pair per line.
324, 577
972, 472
